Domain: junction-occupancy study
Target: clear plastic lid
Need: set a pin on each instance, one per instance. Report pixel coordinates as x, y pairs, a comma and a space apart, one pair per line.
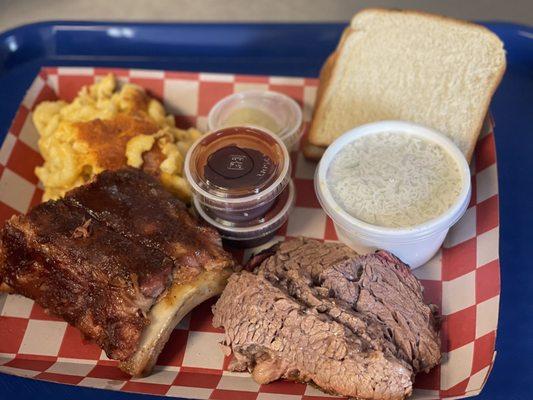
268, 110
238, 168
267, 225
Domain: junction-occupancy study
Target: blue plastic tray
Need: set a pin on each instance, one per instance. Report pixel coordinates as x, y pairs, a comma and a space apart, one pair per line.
298, 50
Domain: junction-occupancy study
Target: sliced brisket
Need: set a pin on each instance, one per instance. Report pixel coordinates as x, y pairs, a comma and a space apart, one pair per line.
355, 325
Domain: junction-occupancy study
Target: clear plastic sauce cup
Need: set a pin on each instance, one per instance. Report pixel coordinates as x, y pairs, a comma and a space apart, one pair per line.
267, 110
238, 176
256, 232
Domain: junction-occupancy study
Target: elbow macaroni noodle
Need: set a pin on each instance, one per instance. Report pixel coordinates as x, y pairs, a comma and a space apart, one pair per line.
108, 127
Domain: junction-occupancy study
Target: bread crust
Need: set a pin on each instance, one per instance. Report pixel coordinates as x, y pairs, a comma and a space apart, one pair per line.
312, 152
325, 76
436, 17
486, 105
316, 139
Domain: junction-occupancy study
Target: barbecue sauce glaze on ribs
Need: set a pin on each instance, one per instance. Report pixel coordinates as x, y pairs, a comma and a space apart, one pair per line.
104, 255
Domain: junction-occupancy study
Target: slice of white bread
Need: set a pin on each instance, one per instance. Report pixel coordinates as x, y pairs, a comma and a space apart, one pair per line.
412, 66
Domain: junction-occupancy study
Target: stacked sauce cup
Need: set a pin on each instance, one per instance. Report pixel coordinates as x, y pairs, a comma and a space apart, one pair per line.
240, 178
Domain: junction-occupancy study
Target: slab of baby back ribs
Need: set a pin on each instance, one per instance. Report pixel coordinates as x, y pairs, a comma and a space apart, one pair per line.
130, 203
354, 325
124, 269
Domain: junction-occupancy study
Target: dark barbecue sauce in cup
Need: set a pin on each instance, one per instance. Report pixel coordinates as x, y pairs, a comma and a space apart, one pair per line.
236, 175
233, 167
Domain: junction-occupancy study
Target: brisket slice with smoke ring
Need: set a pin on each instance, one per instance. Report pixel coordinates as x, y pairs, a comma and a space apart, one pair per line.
355, 325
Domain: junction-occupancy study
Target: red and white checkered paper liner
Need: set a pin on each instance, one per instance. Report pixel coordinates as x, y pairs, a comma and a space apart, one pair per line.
462, 279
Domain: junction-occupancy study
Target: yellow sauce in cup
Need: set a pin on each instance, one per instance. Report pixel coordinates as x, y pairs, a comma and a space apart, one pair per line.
251, 116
